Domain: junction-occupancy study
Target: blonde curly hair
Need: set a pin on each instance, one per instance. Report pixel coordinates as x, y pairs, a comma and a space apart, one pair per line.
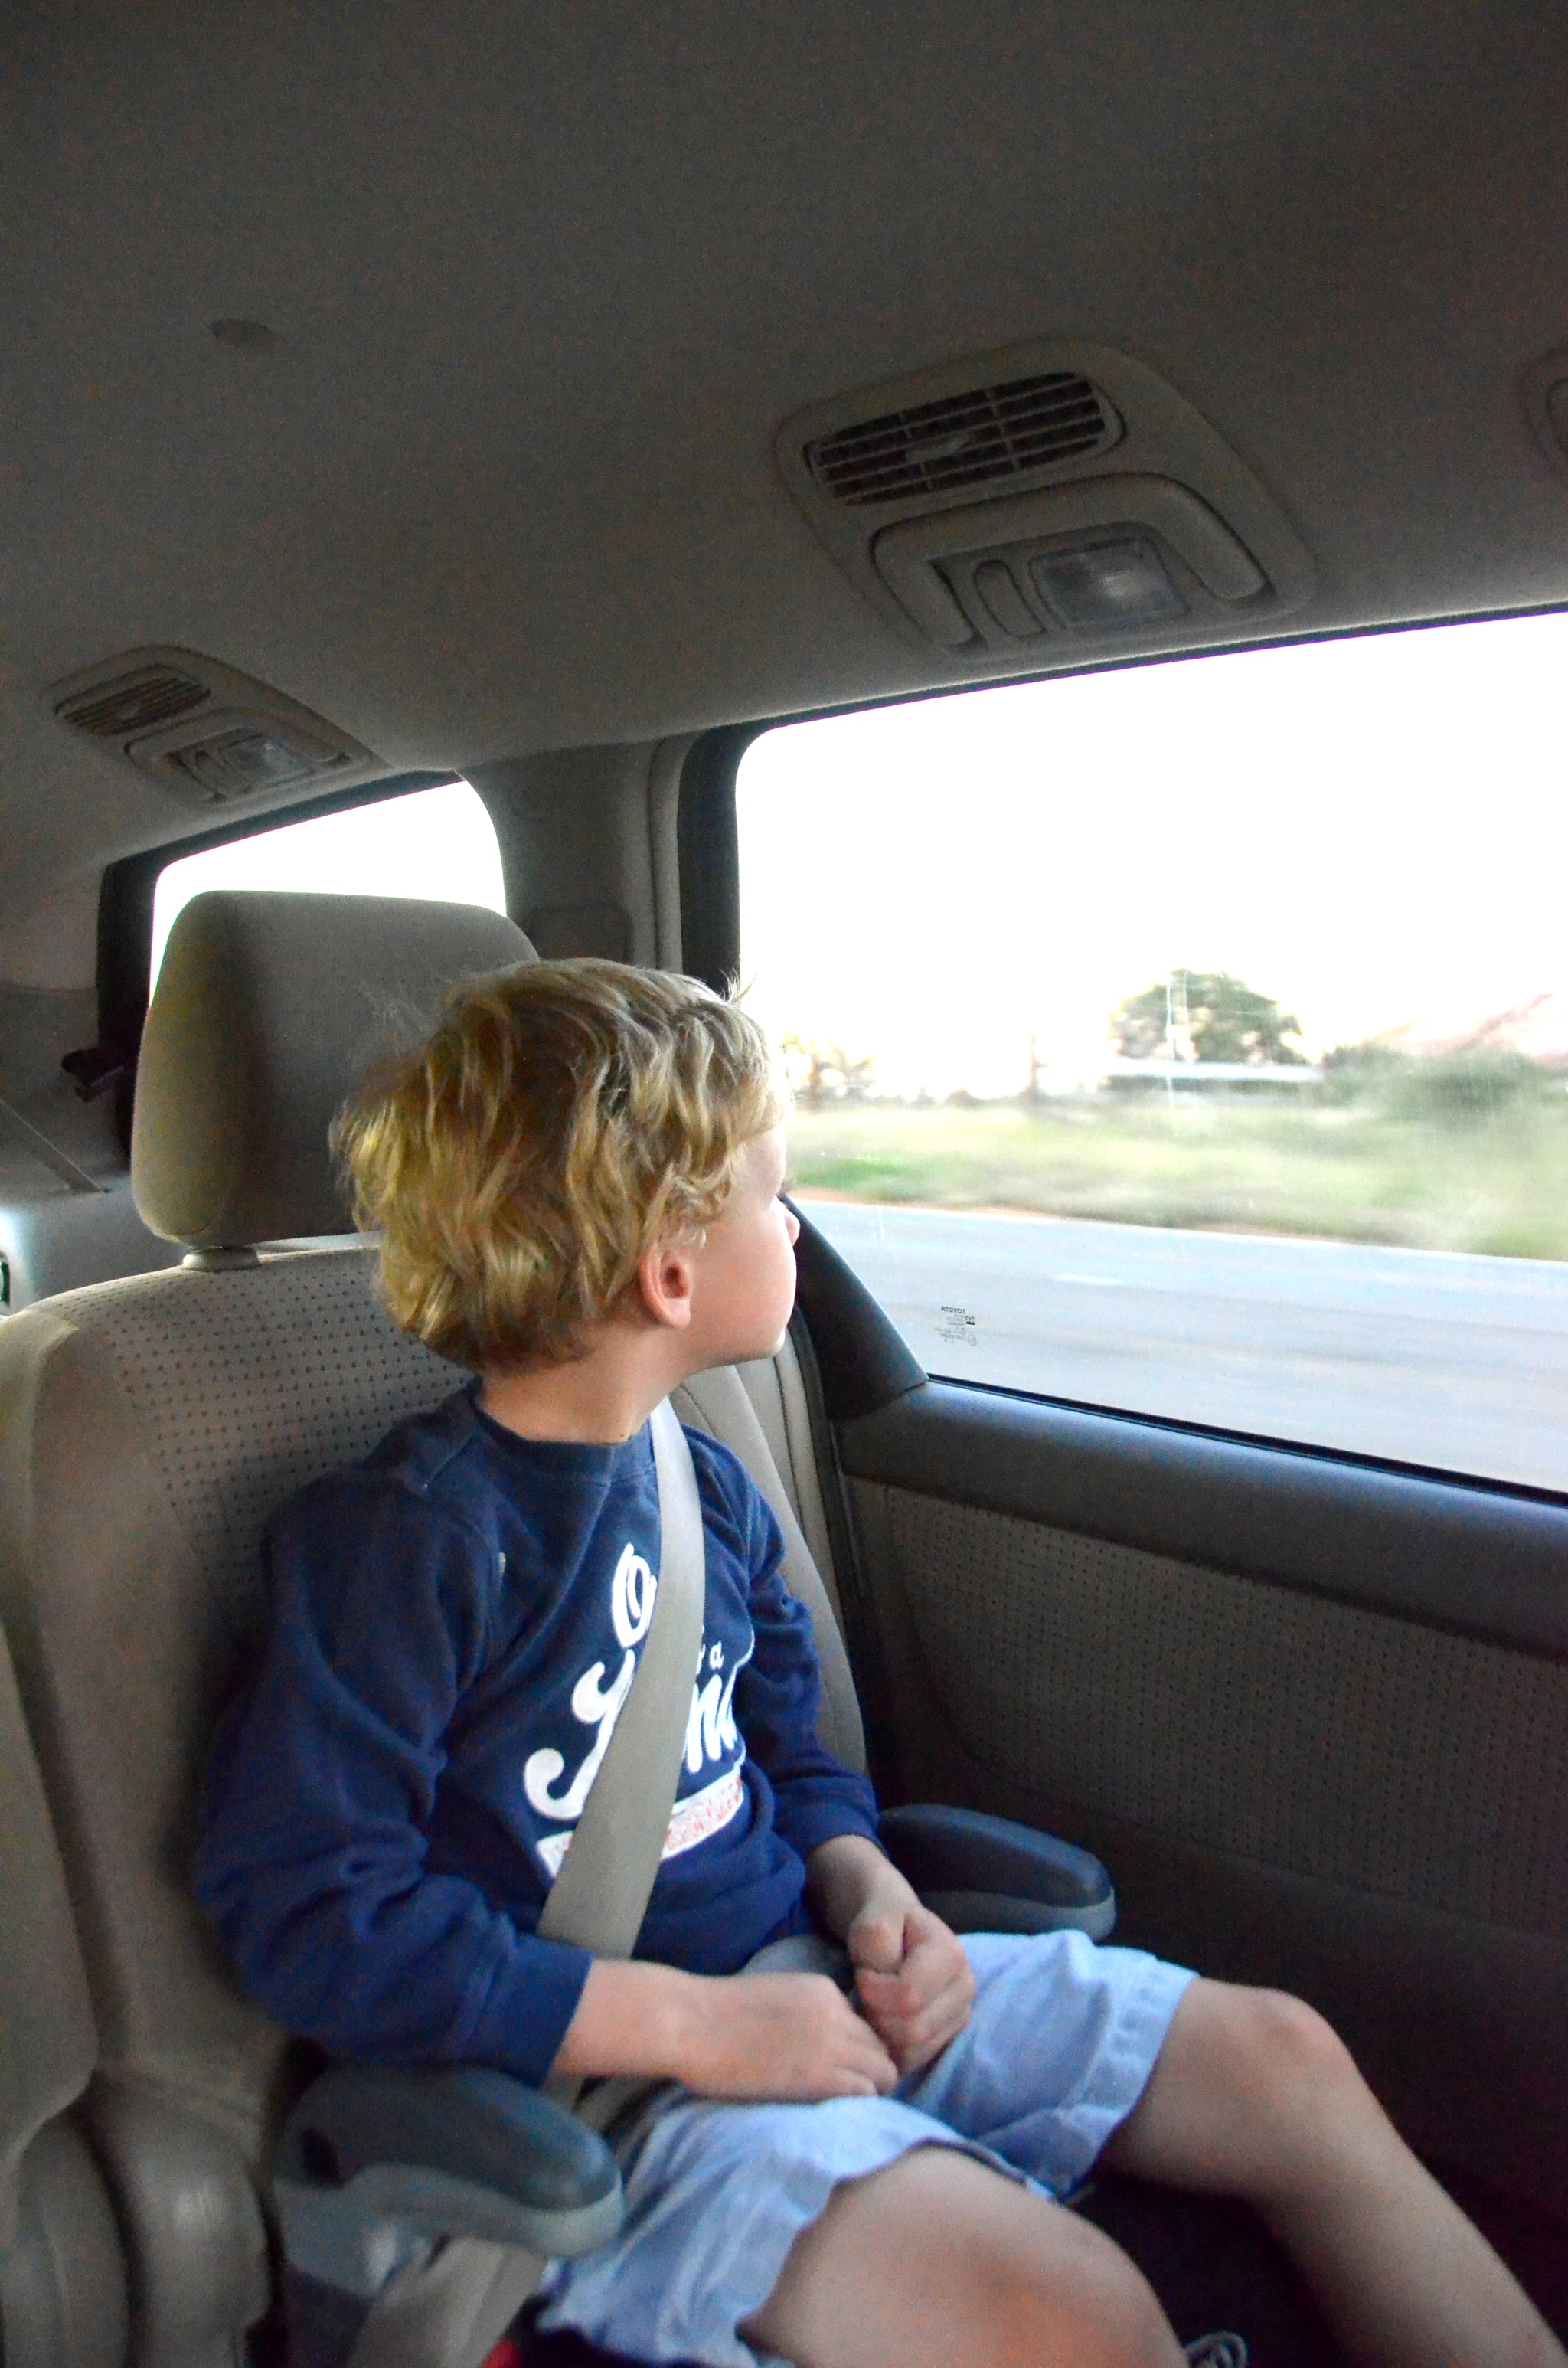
562, 1118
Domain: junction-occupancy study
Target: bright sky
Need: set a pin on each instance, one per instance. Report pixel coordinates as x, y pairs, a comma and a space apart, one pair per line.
1373, 832
438, 843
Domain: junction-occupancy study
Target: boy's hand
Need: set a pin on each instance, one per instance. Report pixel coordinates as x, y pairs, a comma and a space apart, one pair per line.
913, 1977
788, 2037
783, 2036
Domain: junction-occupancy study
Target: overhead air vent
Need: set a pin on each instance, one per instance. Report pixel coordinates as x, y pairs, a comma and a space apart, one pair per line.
1039, 506
1012, 430
206, 733
133, 703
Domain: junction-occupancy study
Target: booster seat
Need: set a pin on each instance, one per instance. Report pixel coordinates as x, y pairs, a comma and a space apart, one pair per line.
150, 1427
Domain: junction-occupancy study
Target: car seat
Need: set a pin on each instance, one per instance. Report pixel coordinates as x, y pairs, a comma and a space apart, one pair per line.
150, 1426
63, 2290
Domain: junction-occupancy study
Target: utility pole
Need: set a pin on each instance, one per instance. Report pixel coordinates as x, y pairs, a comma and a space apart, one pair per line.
1176, 1017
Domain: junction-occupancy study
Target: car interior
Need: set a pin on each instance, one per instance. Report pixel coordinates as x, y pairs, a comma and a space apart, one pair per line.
554, 401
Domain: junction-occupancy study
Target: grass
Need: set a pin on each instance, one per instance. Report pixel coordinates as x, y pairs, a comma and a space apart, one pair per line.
1359, 1171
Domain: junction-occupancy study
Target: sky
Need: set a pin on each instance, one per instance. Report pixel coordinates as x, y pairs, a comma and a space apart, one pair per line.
1374, 832
438, 843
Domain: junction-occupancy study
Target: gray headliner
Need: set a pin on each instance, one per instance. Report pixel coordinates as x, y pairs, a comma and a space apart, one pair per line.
550, 277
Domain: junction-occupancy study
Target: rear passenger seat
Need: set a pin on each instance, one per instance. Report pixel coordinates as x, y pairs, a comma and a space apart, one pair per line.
149, 1426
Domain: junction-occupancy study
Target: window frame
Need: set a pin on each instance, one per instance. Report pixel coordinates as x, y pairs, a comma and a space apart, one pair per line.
708, 852
721, 752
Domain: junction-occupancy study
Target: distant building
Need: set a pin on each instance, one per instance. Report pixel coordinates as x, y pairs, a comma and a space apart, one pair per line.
1197, 1074
1537, 1029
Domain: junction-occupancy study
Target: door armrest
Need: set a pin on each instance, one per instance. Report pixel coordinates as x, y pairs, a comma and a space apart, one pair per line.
989, 1874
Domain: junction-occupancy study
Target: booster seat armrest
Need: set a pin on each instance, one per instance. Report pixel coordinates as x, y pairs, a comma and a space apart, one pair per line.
376, 2163
986, 1873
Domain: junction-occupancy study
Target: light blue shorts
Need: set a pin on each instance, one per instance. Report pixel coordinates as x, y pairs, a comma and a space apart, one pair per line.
1058, 2050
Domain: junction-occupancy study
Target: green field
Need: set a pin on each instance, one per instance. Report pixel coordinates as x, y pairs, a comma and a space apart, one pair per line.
1491, 1179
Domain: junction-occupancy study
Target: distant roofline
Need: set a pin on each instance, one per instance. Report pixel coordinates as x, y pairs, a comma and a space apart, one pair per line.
1216, 1073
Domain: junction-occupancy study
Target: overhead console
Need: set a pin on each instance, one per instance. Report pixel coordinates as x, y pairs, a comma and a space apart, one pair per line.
1042, 501
209, 735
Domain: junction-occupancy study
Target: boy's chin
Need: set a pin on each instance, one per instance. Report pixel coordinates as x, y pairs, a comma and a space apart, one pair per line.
745, 1349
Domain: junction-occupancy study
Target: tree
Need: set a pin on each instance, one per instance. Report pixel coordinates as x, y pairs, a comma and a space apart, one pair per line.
830, 1073
1203, 1015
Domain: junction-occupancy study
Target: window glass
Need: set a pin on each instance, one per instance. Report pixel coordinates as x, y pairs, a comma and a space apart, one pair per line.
1192, 1039
438, 843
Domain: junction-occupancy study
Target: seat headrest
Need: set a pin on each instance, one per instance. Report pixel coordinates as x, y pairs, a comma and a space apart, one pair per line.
269, 1010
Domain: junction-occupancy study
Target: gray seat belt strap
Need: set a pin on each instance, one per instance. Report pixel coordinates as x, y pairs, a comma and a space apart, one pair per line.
600, 1895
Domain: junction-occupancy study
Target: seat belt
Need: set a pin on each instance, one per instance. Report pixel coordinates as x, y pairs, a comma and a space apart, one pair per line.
601, 1894
450, 2314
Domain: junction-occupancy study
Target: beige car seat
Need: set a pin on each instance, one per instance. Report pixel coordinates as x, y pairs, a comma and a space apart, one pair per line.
63, 2289
149, 1428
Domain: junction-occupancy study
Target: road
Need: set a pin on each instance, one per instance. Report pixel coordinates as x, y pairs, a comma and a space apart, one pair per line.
1424, 1356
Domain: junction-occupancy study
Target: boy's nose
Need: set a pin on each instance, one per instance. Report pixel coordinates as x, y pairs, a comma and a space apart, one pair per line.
794, 1223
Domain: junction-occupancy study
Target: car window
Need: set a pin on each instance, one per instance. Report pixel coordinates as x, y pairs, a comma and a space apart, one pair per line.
438, 843
1191, 1038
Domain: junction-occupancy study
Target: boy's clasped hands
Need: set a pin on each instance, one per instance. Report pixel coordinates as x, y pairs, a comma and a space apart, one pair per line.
788, 2037
797, 2036
913, 1980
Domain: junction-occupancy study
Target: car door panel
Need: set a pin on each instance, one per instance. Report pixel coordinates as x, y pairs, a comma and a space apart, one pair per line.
1312, 1713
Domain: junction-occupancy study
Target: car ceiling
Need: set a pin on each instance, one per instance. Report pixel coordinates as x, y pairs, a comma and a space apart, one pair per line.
549, 278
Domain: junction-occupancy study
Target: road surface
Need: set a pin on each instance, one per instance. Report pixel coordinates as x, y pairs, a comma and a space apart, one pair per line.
1427, 1357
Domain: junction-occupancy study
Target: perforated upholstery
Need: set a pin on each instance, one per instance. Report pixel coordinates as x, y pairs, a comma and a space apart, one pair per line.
157, 1423
152, 1425
250, 1381
1095, 1653
47, 2039
62, 2278
164, 1418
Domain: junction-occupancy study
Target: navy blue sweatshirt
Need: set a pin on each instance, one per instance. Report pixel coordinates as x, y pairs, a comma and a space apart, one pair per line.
456, 1623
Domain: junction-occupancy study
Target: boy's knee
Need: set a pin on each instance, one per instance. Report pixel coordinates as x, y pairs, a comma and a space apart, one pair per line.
937, 2257
1286, 2050
1077, 2300
1298, 2082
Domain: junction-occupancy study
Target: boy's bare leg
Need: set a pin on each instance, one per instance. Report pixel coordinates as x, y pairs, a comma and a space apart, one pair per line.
937, 2261
1254, 2096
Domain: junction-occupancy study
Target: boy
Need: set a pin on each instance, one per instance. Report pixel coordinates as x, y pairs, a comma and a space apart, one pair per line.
578, 1185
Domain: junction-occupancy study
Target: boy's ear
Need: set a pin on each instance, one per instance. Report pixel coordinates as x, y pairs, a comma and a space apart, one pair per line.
666, 1277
